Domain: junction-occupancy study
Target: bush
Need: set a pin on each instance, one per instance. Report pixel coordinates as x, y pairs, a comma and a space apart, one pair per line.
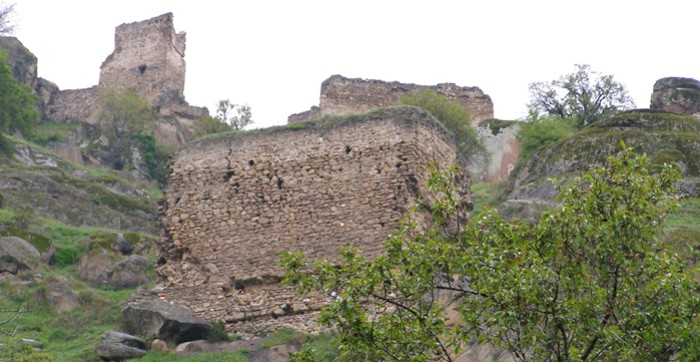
156, 159
453, 116
541, 131
66, 256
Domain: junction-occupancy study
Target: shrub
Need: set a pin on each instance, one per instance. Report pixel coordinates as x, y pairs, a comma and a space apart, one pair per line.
66, 256
453, 116
541, 131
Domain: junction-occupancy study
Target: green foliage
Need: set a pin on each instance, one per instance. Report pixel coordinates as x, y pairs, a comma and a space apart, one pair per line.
584, 95
488, 195
540, 131
209, 125
158, 356
66, 256
590, 281
124, 114
218, 333
156, 159
453, 116
17, 106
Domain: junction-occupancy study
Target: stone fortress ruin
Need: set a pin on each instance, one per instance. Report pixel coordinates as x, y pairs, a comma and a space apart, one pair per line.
148, 57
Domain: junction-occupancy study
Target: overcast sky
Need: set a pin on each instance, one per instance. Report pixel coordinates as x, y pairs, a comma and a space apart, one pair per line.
274, 55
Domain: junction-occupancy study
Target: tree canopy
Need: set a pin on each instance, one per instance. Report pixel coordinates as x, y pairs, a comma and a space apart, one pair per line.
590, 282
583, 95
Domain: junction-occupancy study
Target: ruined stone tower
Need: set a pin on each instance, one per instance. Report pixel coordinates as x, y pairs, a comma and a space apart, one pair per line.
149, 58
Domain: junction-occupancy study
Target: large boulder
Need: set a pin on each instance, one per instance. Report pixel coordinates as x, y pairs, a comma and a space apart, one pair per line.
676, 95
96, 267
117, 346
17, 255
130, 272
169, 322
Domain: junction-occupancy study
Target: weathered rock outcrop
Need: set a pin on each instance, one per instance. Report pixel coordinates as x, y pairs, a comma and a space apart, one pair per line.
234, 203
341, 95
664, 137
22, 62
677, 95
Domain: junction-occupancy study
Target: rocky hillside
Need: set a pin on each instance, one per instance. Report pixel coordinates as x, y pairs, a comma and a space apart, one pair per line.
664, 137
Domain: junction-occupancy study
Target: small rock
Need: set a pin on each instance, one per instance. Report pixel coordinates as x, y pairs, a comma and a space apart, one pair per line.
117, 346
159, 345
61, 297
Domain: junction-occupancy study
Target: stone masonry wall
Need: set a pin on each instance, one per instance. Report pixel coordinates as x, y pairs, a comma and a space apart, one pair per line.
234, 203
75, 105
148, 57
341, 95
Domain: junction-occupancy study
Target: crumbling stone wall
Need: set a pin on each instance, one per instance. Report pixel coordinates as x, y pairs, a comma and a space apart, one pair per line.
341, 95
75, 105
234, 203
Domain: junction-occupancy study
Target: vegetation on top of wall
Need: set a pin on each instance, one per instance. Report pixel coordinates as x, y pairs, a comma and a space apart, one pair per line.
453, 116
328, 122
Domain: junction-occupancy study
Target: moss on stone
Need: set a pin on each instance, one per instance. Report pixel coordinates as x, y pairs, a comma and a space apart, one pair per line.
496, 125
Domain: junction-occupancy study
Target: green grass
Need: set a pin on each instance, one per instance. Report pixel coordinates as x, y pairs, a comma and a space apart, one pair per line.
52, 131
682, 230
158, 356
70, 336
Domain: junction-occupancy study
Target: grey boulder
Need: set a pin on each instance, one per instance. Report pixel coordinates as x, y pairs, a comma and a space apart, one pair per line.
168, 322
117, 346
17, 255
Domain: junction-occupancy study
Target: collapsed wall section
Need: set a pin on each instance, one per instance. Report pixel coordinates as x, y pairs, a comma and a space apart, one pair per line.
233, 204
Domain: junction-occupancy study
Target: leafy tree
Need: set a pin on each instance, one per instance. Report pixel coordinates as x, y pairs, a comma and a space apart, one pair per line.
238, 116
17, 106
538, 131
124, 113
589, 282
584, 95
453, 116
7, 26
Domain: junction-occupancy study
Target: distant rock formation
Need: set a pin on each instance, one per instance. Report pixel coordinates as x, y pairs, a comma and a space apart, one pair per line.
676, 95
341, 95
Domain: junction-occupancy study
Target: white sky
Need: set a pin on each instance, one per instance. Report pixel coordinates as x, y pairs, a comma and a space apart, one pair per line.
274, 55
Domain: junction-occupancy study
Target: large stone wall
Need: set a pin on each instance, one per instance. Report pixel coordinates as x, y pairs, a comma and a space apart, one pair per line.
234, 203
676, 95
341, 95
